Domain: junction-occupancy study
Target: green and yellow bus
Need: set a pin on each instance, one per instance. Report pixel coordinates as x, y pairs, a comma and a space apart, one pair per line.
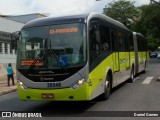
76, 58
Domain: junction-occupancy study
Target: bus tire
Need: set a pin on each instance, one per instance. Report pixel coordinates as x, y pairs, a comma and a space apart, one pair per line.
131, 75
107, 88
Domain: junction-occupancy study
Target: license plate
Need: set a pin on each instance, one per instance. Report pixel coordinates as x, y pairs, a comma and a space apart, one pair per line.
54, 85
47, 95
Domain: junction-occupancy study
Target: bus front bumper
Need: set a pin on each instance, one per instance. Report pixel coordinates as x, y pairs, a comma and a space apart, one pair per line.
65, 94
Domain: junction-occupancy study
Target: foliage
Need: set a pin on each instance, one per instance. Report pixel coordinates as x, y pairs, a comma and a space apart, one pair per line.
149, 24
144, 19
152, 42
123, 11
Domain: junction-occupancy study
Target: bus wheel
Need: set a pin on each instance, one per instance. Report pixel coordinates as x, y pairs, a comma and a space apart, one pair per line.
131, 76
107, 89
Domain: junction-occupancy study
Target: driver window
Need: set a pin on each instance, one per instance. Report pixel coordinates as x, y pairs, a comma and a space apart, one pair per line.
94, 39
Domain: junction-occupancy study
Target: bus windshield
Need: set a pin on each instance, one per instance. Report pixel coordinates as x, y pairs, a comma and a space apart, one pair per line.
52, 47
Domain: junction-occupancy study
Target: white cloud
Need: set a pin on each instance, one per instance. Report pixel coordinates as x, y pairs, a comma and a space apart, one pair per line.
61, 7
55, 7
141, 2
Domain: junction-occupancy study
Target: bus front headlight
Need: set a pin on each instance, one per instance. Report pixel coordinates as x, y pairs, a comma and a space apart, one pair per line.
78, 83
22, 85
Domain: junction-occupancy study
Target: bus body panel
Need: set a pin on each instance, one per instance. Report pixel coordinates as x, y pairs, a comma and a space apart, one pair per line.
68, 82
65, 94
98, 75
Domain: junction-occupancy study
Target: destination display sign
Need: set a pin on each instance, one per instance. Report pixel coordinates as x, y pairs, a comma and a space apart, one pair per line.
30, 62
63, 30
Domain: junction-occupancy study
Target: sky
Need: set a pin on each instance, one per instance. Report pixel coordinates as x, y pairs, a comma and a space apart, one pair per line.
56, 7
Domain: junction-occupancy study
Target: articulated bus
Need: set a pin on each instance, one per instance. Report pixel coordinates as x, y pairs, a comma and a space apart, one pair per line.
141, 54
76, 58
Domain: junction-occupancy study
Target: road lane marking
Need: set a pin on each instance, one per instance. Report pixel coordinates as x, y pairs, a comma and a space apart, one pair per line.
147, 80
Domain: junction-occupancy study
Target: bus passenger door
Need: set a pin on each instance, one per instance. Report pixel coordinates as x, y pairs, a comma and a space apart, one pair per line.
127, 51
115, 56
123, 56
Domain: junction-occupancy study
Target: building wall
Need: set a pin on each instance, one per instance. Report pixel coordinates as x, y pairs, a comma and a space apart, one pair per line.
7, 58
8, 25
6, 54
4, 60
6, 28
3, 70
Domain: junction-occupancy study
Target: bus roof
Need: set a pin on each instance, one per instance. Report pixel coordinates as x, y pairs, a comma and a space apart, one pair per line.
72, 18
139, 34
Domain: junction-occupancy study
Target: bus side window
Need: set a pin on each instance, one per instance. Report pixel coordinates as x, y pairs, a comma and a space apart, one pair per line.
131, 45
94, 39
126, 38
97, 41
105, 38
121, 41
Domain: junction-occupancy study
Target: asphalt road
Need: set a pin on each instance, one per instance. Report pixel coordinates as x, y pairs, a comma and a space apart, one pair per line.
137, 96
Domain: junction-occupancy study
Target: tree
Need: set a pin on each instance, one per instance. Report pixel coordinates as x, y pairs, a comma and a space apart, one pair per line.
152, 42
149, 24
123, 11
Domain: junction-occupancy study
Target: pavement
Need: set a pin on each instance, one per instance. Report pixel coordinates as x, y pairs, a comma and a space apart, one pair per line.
4, 89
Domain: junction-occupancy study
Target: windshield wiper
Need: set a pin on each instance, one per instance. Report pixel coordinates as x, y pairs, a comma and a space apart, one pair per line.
40, 56
56, 56
35, 61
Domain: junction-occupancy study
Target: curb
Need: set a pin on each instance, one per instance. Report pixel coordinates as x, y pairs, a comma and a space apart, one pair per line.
8, 91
